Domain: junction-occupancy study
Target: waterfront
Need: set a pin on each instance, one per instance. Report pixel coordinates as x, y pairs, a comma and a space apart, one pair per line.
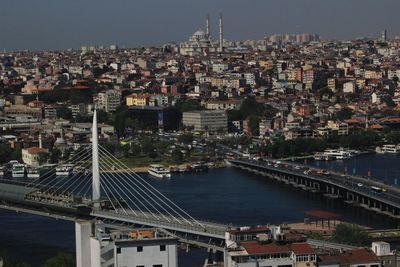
222, 195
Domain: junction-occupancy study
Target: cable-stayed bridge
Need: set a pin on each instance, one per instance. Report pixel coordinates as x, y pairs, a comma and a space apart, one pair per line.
103, 188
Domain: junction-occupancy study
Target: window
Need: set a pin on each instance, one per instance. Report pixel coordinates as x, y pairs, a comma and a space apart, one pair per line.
118, 250
139, 249
140, 266
157, 265
162, 248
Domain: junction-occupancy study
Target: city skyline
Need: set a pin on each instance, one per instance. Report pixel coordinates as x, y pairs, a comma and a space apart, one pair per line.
41, 26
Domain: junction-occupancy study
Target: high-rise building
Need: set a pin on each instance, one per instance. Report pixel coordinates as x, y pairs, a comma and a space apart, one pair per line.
384, 36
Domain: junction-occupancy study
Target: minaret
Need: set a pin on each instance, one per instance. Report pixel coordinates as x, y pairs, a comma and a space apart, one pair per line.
208, 26
95, 163
40, 141
221, 34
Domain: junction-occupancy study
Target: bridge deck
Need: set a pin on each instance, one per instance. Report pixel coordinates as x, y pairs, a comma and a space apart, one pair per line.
348, 182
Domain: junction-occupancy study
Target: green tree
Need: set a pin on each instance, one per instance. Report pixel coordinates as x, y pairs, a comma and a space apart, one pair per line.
351, 234
60, 260
185, 138
254, 125
16, 154
55, 156
344, 114
11, 261
43, 157
177, 156
5, 153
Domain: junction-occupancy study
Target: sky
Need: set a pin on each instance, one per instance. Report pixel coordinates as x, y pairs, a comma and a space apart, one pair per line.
61, 24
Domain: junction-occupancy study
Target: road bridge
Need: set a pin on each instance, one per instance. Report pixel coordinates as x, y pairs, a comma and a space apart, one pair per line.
358, 191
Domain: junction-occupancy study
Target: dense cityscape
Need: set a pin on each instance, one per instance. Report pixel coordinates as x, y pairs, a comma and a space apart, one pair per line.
280, 108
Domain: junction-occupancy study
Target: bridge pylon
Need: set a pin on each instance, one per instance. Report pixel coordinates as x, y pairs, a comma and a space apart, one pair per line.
95, 163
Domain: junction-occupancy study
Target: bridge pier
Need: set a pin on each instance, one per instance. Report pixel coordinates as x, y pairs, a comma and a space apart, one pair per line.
83, 231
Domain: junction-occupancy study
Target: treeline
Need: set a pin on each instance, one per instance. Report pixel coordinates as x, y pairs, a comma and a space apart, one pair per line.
60, 260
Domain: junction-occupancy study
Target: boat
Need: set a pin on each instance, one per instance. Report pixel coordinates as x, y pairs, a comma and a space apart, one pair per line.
159, 171
199, 167
18, 170
64, 170
391, 149
33, 173
3, 171
338, 153
322, 156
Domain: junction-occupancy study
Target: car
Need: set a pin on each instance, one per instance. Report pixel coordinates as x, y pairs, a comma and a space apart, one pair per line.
360, 185
297, 167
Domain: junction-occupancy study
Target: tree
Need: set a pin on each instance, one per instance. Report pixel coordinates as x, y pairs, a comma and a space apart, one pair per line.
5, 153
6, 260
60, 260
43, 157
102, 116
350, 234
254, 125
344, 114
185, 138
177, 156
55, 155
16, 154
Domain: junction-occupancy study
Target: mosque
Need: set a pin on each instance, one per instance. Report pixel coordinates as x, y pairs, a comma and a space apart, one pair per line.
201, 43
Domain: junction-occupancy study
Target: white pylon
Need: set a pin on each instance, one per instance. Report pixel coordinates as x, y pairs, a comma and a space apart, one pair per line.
95, 163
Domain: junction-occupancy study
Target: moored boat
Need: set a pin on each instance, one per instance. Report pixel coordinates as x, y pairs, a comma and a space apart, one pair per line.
159, 171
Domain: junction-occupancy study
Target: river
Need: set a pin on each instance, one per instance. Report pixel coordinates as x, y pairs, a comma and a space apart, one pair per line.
222, 195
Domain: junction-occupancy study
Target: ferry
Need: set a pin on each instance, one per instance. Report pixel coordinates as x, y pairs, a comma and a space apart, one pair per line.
322, 156
3, 171
392, 149
338, 153
18, 170
159, 171
64, 170
33, 173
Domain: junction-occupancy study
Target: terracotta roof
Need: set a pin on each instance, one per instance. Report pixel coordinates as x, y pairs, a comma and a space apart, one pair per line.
356, 256
255, 247
302, 249
376, 127
35, 150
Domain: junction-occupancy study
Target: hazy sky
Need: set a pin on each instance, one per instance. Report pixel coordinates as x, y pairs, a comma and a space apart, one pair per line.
54, 24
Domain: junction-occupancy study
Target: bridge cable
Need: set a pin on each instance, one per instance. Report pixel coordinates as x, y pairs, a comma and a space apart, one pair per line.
145, 183
144, 198
150, 198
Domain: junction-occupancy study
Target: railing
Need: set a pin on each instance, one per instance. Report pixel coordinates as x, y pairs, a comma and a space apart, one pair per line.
387, 198
191, 226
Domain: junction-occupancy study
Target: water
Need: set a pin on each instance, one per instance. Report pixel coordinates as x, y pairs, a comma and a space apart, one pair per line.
384, 167
223, 195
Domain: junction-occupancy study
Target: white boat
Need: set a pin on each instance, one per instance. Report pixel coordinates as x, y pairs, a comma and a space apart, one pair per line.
33, 173
322, 156
18, 170
64, 170
3, 170
338, 153
159, 171
392, 149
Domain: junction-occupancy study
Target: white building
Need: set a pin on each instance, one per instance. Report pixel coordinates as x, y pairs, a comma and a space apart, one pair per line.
210, 121
257, 247
31, 155
349, 87
109, 100
134, 248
